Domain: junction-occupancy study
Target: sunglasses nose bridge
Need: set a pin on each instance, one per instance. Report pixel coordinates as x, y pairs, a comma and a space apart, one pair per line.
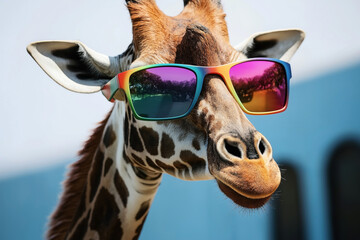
216, 71
221, 73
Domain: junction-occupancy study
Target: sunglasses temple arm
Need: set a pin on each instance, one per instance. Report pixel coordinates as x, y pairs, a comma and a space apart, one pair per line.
111, 89
288, 69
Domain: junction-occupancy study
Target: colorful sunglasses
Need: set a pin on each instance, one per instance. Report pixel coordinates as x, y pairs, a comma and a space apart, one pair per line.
170, 91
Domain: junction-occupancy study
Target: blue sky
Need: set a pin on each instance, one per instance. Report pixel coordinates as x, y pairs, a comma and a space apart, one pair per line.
43, 124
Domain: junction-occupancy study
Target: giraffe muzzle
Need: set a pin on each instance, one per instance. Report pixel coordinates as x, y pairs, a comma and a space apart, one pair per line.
244, 168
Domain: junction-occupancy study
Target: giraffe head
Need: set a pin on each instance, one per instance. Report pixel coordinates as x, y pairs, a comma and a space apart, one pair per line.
215, 140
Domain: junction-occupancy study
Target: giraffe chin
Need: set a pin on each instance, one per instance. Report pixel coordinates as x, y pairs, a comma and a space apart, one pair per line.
240, 199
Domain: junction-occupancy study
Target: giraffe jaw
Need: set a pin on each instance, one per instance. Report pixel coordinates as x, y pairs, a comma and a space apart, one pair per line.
247, 186
240, 199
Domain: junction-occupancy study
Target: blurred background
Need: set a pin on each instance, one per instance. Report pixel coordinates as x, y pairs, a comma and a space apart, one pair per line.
316, 141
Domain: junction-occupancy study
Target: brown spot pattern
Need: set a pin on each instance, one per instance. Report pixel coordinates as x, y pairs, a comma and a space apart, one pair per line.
152, 164
205, 110
138, 230
142, 210
178, 165
182, 168
196, 144
135, 141
167, 147
125, 157
137, 160
109, 136
198, 164
126, 130
216, 126
167, 168
143, 175
108, 164
151, 140
128, 111
96, 171
133, 119
105, 218
81, 229
121, 188
139, 173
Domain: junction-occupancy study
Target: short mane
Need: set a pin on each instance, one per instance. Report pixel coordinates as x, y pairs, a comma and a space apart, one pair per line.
74, 186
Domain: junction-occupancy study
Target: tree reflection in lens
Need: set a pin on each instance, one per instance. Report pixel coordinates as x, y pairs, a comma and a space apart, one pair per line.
260, 85
162, 91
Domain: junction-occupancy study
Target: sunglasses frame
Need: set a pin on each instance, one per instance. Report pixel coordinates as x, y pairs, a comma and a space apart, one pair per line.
121, 81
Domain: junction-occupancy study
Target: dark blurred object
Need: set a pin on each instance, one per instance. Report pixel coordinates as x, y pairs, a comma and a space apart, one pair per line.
287, 207
344, 190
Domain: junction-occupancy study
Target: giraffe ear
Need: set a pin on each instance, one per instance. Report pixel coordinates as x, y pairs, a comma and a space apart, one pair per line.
73, 65
280, 44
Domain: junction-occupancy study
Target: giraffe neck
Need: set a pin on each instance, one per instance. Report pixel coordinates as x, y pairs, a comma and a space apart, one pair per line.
117, 195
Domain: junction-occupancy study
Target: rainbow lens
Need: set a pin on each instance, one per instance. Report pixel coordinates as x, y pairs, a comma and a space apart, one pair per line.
260, 85
162, 92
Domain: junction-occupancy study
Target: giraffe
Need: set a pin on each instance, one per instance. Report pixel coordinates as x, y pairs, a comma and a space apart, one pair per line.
109, 190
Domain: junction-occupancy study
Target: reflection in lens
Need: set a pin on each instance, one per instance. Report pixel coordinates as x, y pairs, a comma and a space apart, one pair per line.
260, 85
162, 92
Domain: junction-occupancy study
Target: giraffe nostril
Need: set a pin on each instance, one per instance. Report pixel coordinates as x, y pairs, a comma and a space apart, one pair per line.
262, 146
232, 148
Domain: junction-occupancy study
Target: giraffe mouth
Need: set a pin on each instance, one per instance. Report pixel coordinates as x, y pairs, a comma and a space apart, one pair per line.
246, 188
240, 199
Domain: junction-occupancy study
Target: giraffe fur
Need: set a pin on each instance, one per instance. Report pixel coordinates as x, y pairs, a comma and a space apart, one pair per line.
109, 191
